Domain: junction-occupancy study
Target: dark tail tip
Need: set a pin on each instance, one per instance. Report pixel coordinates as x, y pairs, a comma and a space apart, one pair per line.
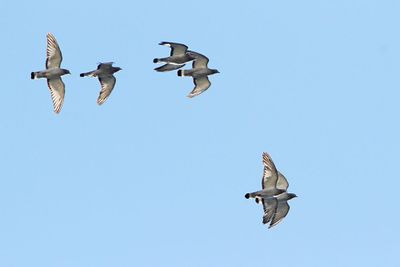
82, 74
32, 75
180, 73
247, 195
155, 60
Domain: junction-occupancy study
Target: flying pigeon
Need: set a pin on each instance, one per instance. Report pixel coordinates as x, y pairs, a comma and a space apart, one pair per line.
107, 80
53, 73
199, 72
273, 194
177, 59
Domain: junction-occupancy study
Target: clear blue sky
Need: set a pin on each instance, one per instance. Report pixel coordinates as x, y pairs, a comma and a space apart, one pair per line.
152, 178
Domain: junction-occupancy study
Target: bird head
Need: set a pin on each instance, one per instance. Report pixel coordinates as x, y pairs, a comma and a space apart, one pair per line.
66, 71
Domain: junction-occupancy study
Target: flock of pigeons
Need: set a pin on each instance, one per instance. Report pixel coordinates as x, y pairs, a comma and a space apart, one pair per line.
273, 196
179, 56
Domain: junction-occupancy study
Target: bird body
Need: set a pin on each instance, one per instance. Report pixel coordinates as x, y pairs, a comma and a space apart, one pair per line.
53, 73
104, 73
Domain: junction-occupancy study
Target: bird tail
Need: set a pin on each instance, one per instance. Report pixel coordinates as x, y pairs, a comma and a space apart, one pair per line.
90, 74
37, 75
250, 195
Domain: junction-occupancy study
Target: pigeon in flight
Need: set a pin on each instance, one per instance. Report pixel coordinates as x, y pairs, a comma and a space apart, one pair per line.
53, 73
273, 194
177, 59
199, 72
107, 80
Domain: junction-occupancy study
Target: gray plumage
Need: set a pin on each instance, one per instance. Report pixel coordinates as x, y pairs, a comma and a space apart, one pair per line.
169, 67
276, 208
273, 182
177, 59
273, 195
53, 73
107, 80
199, 72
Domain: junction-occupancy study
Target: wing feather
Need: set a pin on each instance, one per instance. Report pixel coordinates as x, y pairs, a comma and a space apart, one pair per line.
201, 84
270, 175
269, 206
282, 183
53, 52
107, 85
169, 67
57, 92
200, 61
281, 211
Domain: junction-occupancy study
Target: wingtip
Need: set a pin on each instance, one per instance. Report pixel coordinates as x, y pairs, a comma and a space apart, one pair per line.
49, 35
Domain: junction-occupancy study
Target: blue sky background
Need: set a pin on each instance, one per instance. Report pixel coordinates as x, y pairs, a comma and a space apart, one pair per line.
152, 178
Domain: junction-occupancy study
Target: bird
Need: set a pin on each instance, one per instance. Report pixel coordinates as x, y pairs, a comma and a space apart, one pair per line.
53, 73
199, 72
177, 59
107, 80
274, 194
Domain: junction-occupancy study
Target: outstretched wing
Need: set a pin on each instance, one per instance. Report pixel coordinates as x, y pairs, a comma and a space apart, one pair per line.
269, 206
57, 92
282, 183
169, 67
281, 211
107, 85
202, 84
106, 65
200, 61
270, 175
177, 49
53, 52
